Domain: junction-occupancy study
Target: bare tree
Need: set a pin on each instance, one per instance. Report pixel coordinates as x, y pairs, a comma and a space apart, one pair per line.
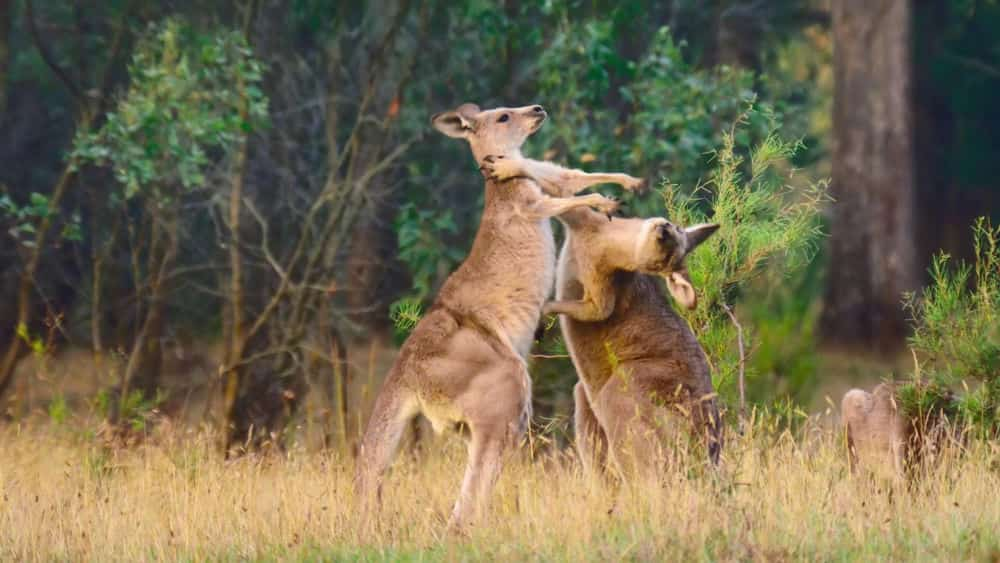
292, 247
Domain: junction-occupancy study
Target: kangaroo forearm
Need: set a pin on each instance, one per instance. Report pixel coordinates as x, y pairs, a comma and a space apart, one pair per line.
575, 181
553, 206
583, 310
554, 179
559, 181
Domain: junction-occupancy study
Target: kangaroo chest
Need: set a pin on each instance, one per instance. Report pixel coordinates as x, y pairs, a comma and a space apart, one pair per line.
510, 270
642, 331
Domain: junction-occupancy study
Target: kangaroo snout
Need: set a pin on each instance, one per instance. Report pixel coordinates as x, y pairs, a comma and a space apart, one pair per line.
539, 115
671, 238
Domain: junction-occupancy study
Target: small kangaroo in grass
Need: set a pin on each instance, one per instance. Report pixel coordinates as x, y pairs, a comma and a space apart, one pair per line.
879, 436
641, 368
464, 362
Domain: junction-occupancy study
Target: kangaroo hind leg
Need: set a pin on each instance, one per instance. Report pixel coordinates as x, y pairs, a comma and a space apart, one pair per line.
498, 408
591, 442
394, 408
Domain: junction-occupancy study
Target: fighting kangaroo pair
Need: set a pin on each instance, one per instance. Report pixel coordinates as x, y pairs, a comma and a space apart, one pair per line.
464, 362
643, 375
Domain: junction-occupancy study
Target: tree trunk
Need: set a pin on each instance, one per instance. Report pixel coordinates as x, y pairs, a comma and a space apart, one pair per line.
236, 339
142, 371
15, 349
872, 248
372, 269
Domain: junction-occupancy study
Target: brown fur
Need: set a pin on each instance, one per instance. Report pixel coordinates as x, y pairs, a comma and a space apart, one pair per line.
465, 360
878, 435
642, 372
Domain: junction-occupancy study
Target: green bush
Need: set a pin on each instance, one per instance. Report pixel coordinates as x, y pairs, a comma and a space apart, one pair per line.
769, 231
671, 116
180, 107
956, 337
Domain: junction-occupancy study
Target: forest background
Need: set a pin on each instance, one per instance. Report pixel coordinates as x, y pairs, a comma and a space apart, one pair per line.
228, 213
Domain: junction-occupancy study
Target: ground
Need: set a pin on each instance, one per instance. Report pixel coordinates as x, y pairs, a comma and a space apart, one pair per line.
780, 495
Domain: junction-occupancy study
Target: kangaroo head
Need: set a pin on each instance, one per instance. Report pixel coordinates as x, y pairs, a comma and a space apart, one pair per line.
499, 131
661, 250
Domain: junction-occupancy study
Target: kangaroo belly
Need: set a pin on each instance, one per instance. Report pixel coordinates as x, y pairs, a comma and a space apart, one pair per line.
443, 415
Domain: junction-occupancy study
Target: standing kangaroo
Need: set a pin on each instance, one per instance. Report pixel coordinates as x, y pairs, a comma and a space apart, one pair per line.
464, 362
639, 363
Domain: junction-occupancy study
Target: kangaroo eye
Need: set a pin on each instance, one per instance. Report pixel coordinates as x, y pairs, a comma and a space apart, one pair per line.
504, 117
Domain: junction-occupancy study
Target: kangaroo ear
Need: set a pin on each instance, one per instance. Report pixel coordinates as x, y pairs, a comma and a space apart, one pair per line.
457, 123
681, 289
698, 234
468, 110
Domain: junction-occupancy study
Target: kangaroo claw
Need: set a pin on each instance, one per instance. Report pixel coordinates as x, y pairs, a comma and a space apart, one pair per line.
636, 185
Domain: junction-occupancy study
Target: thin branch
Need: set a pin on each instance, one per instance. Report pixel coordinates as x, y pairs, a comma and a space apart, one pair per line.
46, 54
742, 364
342, 219
976, 64
117, 43
265, 237
249, 18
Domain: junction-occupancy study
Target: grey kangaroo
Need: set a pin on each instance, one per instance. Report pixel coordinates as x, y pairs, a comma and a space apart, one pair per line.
464, 362
642, 372
879, 436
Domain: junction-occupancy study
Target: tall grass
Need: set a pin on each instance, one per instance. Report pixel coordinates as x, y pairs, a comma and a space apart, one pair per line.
779, 496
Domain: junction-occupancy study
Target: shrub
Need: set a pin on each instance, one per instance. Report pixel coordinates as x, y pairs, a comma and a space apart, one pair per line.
769, 230
180, 108
956, 337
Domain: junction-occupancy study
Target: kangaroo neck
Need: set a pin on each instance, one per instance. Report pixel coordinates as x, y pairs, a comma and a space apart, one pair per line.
479, 153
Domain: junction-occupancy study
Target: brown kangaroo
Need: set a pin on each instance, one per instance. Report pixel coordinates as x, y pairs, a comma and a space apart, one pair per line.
640, 366
464, 362
879, 436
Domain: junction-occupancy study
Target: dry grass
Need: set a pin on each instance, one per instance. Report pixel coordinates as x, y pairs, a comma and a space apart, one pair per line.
779, 497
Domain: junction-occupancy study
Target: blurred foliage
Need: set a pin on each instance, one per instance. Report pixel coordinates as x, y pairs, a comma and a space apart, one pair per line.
58, 410
135, 409
420, 249
956, 337
675, 111
23, 218
180, 107
958, 45
624, 90
646, 87
783, 312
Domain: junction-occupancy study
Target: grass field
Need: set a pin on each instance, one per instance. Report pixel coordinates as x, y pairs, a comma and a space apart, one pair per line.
779, 496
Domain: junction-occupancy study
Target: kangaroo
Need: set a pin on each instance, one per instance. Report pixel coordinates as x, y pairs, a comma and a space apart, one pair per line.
464, 363
878, 435
639, 363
